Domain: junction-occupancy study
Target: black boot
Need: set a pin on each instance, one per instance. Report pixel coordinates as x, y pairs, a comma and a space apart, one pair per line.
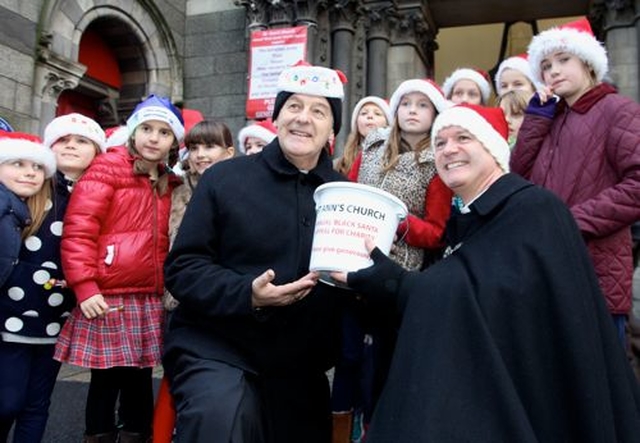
133, 437
109, 437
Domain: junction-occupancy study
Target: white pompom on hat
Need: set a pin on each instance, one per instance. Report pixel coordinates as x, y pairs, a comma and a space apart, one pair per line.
157, 108
379, 102
574, 38
488, 125
264, 130
23, 146
518, 63
425, 86
478, 77
74, 124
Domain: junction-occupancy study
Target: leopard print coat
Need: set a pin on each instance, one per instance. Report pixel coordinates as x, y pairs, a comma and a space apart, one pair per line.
408, 181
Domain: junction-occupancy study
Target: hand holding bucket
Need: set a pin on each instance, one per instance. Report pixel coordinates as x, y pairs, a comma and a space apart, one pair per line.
346, 214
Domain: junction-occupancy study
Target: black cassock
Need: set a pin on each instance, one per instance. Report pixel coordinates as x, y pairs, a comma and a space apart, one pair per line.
508, 338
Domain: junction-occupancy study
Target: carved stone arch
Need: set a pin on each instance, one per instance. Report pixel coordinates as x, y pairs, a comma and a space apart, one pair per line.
144, 45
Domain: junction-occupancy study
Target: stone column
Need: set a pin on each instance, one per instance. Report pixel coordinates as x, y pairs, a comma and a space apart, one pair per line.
306, 14
257, 13
343, 17
621, 33
412, 44
378, 15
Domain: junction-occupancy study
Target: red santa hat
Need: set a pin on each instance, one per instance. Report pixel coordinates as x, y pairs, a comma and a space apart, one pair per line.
264, 130
425, 86
575, 38
379, 102
116, 136
518, 63
478, 76
488, 125
74, 124
23, 146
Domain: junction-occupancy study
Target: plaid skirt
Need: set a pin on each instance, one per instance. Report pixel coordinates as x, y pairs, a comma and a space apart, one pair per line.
129, 337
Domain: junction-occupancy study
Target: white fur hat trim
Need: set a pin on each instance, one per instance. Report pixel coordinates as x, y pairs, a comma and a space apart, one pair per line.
581, 44
418, 85
519, 64
74, 124
16, 149
380, 103
477, 125
467, 74
256, 131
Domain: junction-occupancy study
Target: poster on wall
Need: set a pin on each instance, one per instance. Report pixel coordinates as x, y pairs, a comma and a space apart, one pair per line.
271, 51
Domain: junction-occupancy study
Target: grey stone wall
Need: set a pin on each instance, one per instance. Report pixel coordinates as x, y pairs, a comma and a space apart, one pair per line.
216, 65
17, 46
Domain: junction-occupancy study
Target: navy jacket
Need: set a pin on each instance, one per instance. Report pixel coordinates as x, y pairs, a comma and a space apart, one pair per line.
34, 303
14, 216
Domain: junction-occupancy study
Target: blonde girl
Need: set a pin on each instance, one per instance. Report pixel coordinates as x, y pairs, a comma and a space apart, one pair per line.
466, 85
30, 315
370, 113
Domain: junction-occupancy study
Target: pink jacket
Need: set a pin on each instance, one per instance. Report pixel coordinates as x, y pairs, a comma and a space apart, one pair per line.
589, 155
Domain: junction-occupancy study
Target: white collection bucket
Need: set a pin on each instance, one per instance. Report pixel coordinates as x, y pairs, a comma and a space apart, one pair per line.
347, 213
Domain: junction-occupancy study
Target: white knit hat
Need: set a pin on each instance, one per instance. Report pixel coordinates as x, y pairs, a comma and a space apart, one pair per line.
380, 103
74, 124
517, 63
425, 86
474, 75
303, 78
264, 130
20, 145
488, 125
575, 38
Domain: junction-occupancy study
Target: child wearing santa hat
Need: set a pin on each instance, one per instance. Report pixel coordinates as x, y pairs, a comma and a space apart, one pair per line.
254, 137
581, 140
466, 85
30, 316
113, 249
398, 160
370, 113
514, 73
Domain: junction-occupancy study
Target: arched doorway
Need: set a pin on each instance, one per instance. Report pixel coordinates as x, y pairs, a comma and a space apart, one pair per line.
104, 61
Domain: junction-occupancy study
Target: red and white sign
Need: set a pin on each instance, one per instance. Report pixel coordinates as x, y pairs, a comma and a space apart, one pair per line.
271, 51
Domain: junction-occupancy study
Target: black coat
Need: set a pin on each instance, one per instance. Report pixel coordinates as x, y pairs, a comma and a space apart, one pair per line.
508, 338
247, 215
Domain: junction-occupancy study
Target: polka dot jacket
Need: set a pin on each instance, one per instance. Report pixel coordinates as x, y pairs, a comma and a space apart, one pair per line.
33, 301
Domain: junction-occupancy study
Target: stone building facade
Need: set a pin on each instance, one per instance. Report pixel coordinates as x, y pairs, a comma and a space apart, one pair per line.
196, 51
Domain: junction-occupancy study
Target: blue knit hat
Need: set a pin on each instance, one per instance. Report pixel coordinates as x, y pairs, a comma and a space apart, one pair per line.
157, 108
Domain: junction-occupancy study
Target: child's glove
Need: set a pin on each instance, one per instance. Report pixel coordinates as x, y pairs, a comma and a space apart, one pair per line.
546, 109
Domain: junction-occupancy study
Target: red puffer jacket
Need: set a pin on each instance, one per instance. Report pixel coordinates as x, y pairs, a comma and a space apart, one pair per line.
115, 235
589, 155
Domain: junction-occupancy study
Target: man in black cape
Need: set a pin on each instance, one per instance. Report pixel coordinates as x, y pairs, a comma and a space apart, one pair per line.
507, 339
